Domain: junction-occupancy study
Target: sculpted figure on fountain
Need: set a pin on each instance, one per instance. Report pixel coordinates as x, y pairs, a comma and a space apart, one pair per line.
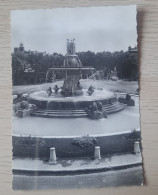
70, 47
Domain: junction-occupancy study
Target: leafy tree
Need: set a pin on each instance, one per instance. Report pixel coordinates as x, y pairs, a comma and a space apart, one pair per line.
126, 63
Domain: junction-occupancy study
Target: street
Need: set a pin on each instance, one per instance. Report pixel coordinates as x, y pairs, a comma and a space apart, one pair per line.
126, 177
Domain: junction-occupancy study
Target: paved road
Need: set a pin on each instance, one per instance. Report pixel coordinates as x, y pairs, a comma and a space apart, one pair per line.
131, 176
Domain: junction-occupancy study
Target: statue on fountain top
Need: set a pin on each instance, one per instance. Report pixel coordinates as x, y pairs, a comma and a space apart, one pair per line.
71, 58
70, 47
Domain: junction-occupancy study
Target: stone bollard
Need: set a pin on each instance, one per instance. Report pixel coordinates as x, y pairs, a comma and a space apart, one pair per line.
52, 155
136, 148
97, 152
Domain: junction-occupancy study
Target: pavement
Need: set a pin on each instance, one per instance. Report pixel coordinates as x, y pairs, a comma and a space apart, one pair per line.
114, 178
75, 166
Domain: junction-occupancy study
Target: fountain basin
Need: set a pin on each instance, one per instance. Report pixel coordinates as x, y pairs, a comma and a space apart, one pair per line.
58, 106
59, 102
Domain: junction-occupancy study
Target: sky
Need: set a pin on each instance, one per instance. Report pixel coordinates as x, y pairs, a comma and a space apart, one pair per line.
111, 28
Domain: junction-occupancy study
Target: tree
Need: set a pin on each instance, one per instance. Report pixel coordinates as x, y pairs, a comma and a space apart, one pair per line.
125, 62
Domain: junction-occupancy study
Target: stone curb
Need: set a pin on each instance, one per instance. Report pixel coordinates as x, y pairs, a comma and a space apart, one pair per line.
72, 172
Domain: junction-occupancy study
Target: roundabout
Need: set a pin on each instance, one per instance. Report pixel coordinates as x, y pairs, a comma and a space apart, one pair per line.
75, 112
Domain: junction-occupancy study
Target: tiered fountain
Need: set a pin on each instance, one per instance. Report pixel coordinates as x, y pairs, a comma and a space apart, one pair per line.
71, 100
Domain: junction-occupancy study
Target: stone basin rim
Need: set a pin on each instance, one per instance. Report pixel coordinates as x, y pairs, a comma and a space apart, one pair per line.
37, 95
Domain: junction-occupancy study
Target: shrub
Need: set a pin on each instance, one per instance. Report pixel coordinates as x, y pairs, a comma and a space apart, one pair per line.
133, 136
84, 141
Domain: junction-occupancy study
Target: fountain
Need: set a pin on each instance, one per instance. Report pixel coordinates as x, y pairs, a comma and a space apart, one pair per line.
72, 71
71, 100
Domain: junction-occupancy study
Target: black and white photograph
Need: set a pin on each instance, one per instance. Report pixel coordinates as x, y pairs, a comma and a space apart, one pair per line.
75, 98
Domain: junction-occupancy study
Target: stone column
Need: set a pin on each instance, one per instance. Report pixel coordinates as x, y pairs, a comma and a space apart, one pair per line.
136, 148
97, 152
52, 155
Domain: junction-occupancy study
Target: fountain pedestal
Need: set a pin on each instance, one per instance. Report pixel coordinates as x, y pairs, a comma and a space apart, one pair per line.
71, 86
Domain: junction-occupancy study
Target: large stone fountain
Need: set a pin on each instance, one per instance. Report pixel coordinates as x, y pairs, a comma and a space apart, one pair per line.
71, 100
71, 71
